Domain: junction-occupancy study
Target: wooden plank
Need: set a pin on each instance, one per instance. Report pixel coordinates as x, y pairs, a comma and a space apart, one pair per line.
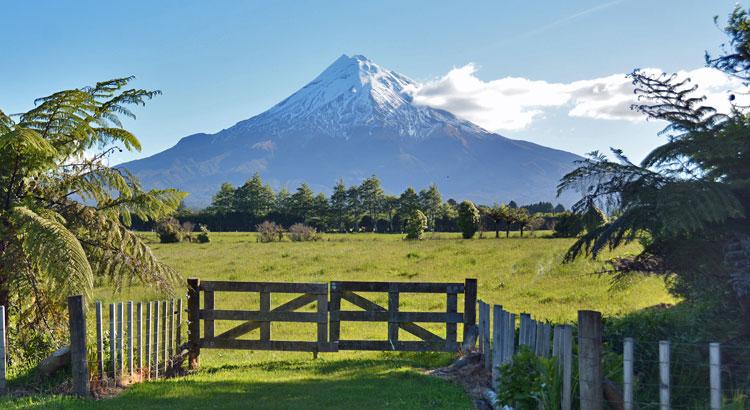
3, 353
246, 327
486, 349
510, 337
402, 287
272, 287
498, 323
155, 371
194, 326
470, 308
664, 377
334, 306
590, 378
265, 307
714, 364
384, 345
628, 357
393, 300
401, 317
171, 347
451, 308
421, 332
120, 336
99, 341
257, 316
322, 306
78, 357
179, 323
164, 336
281, 345
113, 340
566, 350
139, 337
148, 339
208, 322
130, 337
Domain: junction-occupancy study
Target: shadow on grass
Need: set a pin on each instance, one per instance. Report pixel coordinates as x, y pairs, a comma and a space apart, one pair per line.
387, 382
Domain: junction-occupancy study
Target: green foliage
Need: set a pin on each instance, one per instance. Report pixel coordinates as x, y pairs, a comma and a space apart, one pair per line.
169, 231
269, 232
468, 219
688, 200
530, 382
303, 233
568, 225
64, 213
416, 225
203, 235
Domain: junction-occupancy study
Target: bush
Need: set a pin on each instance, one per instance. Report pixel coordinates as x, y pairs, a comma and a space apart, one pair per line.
468, 219
269, 232
416, 225
568, 225
530, 382
169, 231
302, 233
203, 235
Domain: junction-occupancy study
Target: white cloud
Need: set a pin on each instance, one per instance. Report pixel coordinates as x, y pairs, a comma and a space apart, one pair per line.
513, 103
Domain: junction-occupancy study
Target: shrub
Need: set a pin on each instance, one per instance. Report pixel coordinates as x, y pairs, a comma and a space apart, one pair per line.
269, 232
302, 233
203, 235
468, 219
187, 228
416, 225
169, 231
530, 382
568, 225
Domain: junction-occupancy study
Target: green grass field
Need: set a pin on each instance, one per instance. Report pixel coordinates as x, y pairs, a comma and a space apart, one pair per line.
522, 274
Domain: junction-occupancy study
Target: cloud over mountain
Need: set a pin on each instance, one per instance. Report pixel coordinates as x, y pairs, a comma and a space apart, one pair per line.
513, 103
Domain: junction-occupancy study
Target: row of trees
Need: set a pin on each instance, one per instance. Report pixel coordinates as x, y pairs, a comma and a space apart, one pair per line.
364, 207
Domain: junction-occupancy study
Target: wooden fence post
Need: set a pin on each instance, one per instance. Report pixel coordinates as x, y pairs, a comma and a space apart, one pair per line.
451, 329
194, 325
484, 323
265, 306
99, 341
393, 300
664, 400
470, 310
120, 336
510, 337
715, 375
179, 323
589, 359
3, 347
130, 338
322, 308
139, 336
113, 341
627, 373
566, 350
78, 360
498, 343
156, 340
148, 339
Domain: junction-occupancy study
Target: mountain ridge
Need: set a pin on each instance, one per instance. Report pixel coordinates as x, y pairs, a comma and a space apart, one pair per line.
354, 120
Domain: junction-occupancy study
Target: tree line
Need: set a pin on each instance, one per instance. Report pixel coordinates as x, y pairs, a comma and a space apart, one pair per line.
357, 208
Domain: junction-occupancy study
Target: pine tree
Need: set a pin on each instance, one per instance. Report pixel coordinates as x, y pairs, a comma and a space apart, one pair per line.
224, 201
338, 205
430, 201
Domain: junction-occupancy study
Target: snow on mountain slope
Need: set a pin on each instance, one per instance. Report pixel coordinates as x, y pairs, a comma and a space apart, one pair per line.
354, 120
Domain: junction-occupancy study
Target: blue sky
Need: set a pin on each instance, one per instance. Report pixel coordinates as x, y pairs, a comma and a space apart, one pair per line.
221, 62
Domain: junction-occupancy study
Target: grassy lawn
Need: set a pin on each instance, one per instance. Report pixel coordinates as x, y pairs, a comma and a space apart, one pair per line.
522, 274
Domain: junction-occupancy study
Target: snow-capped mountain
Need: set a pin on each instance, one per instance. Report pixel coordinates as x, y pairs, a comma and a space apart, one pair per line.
354, 120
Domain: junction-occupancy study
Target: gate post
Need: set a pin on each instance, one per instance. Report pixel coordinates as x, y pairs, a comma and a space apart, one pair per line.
590, 359
470, 313
78, 363
194, 326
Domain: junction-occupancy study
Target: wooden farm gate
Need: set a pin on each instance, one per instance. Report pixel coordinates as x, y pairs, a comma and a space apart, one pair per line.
328, 313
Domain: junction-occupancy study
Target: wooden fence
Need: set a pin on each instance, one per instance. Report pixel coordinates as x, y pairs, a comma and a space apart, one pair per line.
328, 316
